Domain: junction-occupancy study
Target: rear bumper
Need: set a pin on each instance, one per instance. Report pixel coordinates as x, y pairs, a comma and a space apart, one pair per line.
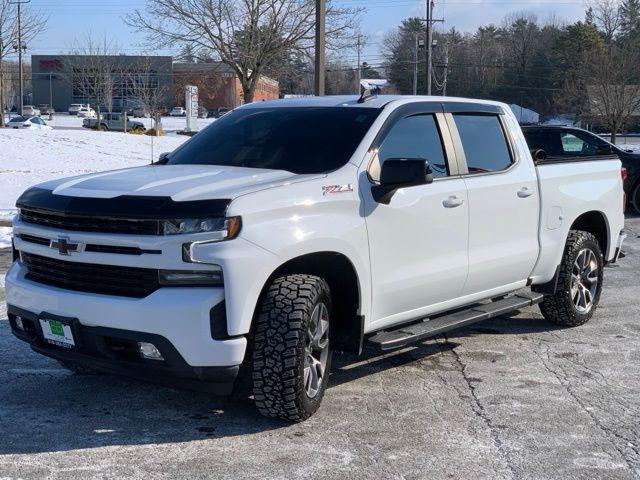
115, 351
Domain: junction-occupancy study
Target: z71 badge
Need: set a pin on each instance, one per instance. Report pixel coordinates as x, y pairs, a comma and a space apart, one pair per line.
331, 189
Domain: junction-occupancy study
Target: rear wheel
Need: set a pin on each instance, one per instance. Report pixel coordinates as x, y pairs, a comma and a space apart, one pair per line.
292, 351
579, 282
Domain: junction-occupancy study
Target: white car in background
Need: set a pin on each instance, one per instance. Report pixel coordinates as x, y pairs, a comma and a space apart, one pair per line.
74, 107
86, 112
30, 110
178, 112
28, 122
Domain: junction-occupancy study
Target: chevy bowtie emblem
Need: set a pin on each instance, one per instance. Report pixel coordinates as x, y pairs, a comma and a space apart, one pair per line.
64, 246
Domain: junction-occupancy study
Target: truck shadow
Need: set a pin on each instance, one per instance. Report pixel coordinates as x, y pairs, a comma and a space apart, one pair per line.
44, 408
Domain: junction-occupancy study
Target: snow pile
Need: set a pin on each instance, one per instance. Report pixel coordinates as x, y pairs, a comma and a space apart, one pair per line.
28, 157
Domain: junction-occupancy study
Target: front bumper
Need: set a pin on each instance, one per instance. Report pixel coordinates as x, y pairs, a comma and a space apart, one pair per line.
115, 351
182, 316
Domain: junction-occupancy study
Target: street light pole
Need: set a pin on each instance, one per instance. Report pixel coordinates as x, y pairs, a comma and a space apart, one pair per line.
320, 43
20, 47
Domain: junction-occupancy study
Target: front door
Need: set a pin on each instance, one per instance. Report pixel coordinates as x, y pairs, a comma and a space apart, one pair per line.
418, 243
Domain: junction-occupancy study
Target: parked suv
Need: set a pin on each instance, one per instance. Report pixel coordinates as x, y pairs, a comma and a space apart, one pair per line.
290, 229
30, 111
74, 107
113, 121
574, 144
178, 112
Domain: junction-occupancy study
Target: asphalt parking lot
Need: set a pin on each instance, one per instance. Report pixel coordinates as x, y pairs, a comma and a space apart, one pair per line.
509, 398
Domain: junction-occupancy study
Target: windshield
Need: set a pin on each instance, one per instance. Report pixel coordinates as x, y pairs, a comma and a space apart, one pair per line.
296, 139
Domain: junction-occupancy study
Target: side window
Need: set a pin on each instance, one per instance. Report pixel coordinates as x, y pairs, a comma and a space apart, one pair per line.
572, 145
580, 145
484, 143
413, 137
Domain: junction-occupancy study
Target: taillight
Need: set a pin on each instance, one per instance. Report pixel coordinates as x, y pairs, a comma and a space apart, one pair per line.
624, 174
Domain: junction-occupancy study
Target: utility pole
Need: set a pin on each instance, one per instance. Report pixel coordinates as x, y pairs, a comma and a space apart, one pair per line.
319, 60
359, 72
20, 47
446, 70
430, 22
415, 66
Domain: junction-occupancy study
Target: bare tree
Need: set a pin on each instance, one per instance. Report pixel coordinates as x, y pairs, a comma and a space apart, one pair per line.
612, 87
607, 17
9, 38
248, 35
92, 69
148, 91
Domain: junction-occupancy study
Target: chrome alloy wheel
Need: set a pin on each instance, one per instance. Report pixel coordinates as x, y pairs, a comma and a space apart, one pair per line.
584, 280
316, 350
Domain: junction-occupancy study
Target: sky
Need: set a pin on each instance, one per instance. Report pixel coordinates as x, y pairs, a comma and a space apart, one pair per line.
70, 20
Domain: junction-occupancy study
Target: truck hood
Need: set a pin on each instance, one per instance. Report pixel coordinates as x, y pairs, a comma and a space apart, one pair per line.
180, 182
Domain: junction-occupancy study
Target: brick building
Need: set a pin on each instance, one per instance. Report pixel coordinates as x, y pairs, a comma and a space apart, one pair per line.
218, 85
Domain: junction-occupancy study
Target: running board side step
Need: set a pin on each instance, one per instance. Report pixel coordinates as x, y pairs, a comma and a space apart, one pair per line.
406, 334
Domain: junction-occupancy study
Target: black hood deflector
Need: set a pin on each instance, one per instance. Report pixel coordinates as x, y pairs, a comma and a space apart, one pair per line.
124, 206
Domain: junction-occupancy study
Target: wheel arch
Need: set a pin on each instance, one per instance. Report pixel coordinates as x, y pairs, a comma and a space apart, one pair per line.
594, 222
347, 324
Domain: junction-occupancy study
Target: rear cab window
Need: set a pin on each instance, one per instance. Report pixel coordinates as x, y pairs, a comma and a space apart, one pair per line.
484, 142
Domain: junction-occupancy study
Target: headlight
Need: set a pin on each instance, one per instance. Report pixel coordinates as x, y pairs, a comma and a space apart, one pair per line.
221, 228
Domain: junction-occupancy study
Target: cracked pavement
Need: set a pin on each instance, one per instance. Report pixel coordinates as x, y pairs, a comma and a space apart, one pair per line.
509, 398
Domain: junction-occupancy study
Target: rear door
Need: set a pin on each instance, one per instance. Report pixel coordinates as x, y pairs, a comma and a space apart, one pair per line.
418, 243
503, 199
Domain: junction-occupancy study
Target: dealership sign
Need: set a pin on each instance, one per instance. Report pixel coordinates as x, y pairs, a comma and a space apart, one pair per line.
191, 104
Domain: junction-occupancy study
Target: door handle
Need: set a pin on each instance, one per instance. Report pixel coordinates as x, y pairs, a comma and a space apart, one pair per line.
452, 202
525, 192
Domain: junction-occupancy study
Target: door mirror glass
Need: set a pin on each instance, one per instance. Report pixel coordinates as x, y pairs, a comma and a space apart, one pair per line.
398, 173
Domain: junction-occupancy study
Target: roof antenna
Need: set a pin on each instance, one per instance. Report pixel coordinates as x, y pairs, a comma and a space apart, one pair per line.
370, 88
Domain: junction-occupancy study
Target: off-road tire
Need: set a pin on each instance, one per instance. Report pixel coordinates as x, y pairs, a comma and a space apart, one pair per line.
279, 344
559, 308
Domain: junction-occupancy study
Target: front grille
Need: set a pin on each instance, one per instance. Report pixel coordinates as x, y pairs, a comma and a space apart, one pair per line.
90, 224
93, 278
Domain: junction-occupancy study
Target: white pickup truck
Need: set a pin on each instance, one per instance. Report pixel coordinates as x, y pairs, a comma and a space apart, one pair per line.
289, 229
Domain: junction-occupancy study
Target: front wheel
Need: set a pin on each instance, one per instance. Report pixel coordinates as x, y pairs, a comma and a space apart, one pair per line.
579, 282
291, 347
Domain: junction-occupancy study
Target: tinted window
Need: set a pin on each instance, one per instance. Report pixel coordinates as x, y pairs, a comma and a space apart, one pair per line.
582, 144
299, 140
484, 143
416, 137
19, 119
544, 140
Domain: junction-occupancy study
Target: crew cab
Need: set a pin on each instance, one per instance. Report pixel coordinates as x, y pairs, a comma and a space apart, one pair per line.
566, 144
289, 229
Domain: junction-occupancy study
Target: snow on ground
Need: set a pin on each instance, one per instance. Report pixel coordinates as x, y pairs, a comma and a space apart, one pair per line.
5, 237
169, 124
28, 157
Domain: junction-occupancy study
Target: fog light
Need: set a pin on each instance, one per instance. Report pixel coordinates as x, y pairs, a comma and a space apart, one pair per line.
149, 351
19, 324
